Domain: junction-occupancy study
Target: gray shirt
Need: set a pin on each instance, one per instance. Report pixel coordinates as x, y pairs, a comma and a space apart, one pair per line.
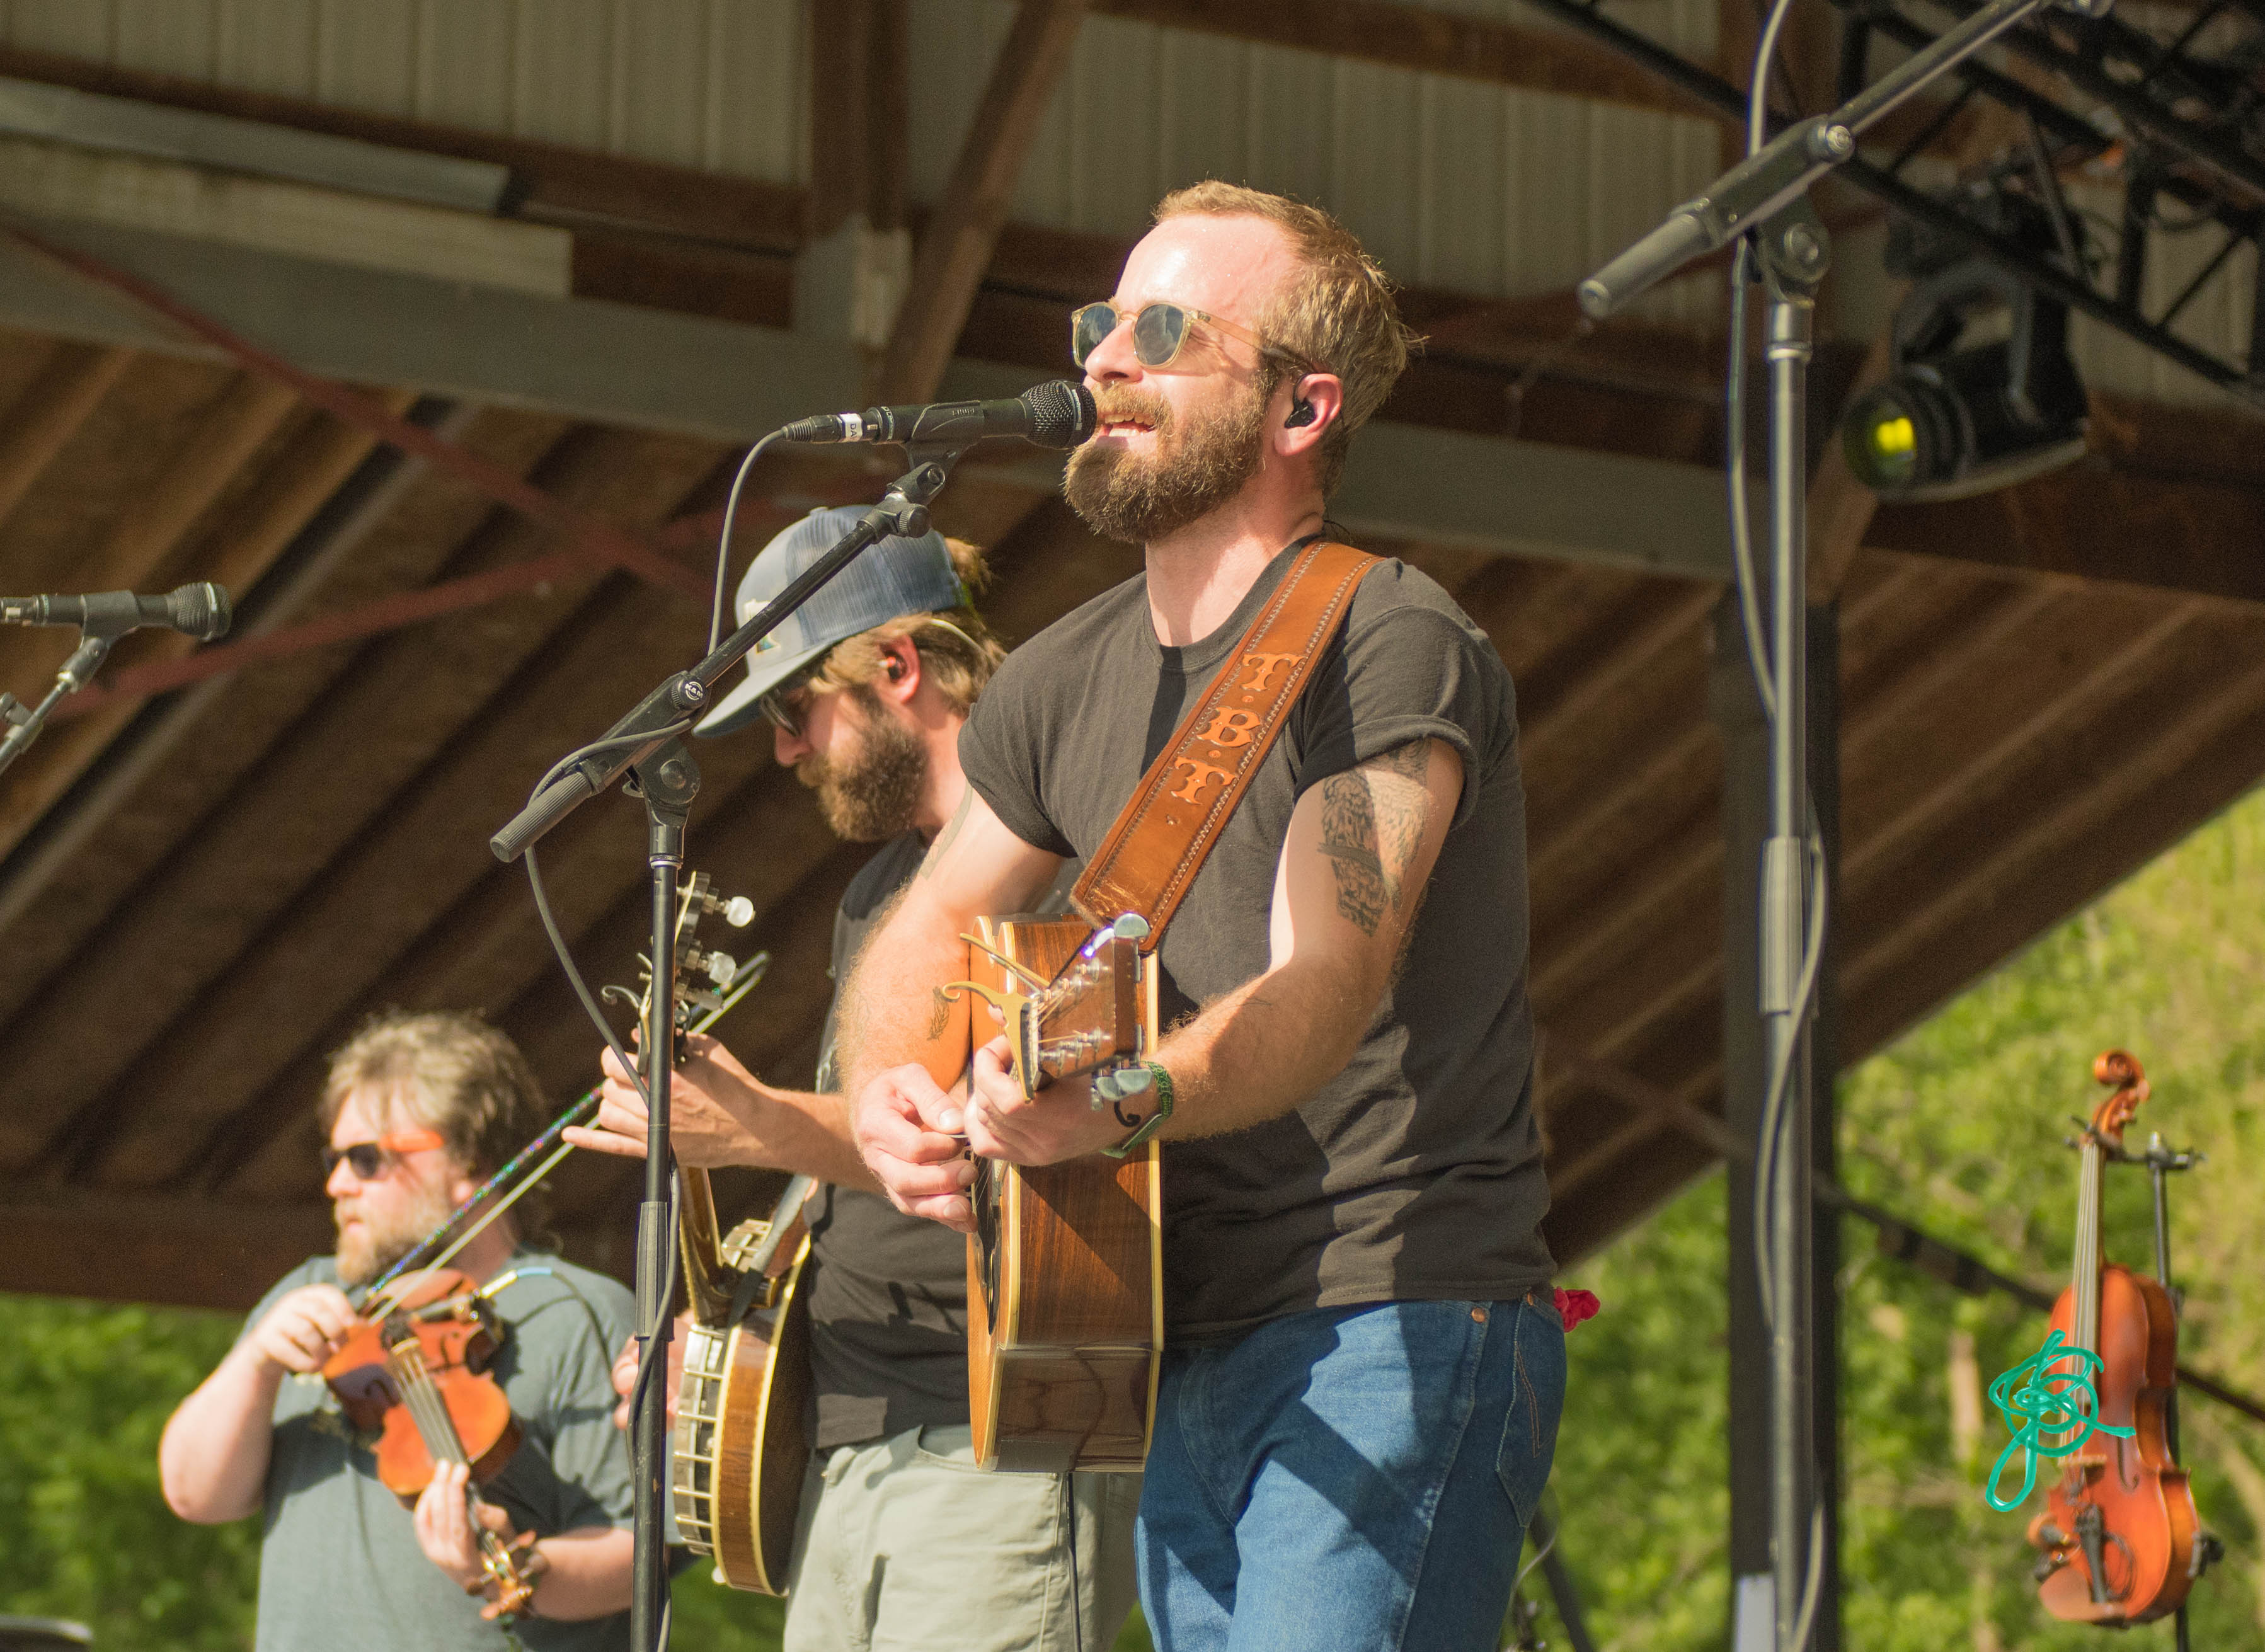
888, 1293
1415, 1172
339, 1568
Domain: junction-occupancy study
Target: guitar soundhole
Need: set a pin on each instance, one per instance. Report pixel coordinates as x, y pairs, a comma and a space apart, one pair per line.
983, 1200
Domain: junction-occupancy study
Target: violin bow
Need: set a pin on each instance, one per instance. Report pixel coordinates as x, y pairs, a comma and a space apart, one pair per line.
549, 1142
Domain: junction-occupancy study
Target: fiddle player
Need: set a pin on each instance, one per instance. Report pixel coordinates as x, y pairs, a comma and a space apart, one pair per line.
901, 1541
417, 1110
1363, 1369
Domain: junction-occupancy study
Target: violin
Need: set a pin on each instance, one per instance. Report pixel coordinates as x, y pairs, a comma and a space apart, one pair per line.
415, 1375
2118, 1541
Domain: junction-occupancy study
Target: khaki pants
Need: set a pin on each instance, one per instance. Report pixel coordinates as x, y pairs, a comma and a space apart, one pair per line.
904, 1543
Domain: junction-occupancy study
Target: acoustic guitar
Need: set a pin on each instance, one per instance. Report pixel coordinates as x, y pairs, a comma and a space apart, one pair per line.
1065, 1267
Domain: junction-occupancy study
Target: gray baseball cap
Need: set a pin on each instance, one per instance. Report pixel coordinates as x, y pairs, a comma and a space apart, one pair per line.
892, 578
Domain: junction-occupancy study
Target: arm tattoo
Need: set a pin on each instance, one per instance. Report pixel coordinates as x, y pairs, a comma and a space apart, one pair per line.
1372, 822
939, 1014
950, 830
1348, 839
1413, 760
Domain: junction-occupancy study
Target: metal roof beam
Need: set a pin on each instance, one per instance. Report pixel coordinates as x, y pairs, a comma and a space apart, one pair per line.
1422, 38
621, 365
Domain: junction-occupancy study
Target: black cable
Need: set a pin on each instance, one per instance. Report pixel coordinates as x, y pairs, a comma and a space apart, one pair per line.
654, 1342
574, 979
558, 943
1076, 1602
1734, 465
718, 602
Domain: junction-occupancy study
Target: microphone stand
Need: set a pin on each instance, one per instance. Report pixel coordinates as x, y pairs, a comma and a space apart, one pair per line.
1766, 195
25, 722
643, 746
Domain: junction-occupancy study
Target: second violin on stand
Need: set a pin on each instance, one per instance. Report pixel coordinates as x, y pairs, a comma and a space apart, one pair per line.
2121, 1542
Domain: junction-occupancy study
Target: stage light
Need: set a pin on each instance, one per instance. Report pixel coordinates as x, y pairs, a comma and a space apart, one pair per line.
1981, 393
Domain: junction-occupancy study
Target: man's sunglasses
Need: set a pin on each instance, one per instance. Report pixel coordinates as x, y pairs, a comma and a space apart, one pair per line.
778, 704
1160, 332
372, 1159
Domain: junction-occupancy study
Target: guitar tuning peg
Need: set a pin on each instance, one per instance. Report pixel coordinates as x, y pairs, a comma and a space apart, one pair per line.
738, 912
1130, 926
723, 968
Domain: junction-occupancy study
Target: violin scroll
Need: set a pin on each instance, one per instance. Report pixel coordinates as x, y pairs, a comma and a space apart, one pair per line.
2120, 1070
509, 1571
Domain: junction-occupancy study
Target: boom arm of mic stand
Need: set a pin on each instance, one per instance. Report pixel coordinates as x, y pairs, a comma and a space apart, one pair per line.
662, 714
1788, 164
24, 726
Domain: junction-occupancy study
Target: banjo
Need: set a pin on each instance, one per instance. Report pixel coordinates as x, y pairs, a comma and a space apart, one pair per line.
740, 1440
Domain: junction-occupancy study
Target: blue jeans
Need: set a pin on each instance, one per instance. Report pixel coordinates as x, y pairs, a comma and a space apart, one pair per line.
1350, 1478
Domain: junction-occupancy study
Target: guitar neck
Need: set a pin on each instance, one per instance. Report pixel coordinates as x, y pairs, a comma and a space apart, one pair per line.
708, 1282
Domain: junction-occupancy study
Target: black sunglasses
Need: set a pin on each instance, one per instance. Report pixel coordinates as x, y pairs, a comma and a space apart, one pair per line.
1160, 332
372, 1159
778, 704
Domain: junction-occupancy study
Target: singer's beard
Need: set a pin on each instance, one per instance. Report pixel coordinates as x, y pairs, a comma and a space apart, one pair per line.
374, 1246
1195, 469
871, 793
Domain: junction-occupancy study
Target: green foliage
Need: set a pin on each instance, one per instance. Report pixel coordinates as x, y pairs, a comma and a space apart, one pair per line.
1959, 1126
706, 1616
84, 1532
1641, 1479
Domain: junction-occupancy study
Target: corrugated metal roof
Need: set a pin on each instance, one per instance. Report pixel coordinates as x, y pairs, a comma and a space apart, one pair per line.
718, 85
1450, 184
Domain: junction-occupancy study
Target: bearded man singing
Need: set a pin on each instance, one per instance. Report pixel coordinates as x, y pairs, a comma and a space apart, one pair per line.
1363, 1368
901, 1541
419, 1111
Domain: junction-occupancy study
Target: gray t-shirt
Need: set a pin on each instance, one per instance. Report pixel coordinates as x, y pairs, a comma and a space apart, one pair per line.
888, 1293
339, 1568
1417, 1172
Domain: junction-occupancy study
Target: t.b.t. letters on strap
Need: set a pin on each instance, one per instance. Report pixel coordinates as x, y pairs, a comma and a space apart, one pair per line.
1153, 852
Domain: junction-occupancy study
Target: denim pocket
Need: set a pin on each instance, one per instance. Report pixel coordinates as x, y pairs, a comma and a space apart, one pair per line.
1529, 1432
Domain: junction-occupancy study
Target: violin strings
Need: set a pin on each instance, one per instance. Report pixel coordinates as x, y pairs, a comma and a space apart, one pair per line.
414, 1380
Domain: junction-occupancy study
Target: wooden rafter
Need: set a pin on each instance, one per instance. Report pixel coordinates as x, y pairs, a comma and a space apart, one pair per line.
956, 245
304, 481
50, 411
1423, 38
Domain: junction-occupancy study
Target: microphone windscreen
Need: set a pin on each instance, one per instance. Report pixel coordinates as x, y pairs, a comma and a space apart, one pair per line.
1062, 413
201, 610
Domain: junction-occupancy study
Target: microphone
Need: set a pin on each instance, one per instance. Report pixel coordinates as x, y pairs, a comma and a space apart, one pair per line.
198, 610
1057, 414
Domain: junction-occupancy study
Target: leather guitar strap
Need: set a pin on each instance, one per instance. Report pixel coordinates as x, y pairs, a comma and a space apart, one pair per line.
1153, 852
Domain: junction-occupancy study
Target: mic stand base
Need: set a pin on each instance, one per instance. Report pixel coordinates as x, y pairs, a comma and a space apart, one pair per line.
668, 780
